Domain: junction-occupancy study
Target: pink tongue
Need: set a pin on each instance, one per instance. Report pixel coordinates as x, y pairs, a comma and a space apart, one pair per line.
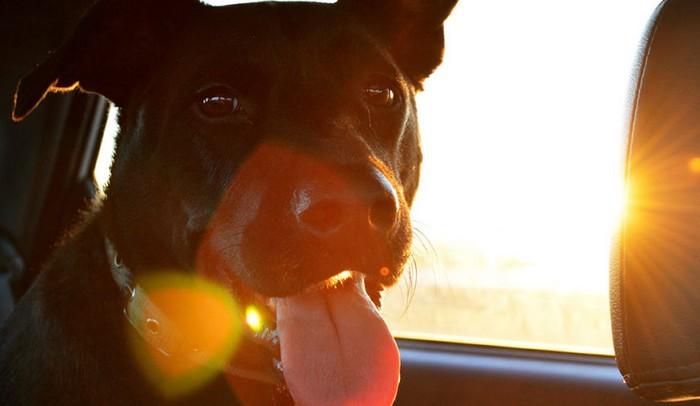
336, 349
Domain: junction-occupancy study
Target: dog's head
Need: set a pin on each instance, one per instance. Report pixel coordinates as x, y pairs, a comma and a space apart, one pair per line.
271, 146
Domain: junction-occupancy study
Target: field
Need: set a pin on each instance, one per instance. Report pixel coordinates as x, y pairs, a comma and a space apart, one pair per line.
499, 305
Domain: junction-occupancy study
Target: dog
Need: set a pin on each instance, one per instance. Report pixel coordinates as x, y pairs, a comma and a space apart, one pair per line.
269, 151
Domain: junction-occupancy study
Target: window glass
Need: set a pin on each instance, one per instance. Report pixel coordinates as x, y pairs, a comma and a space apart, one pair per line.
106, 152
522, 186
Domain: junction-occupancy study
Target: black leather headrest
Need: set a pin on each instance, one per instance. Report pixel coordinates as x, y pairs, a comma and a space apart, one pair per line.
655, 281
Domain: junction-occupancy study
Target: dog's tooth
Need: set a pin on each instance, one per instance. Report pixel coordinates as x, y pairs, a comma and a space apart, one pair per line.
275, 337
271, 336
271, 304
262, 334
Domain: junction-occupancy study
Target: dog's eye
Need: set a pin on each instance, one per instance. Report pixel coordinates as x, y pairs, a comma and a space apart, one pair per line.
218, 102
380, 96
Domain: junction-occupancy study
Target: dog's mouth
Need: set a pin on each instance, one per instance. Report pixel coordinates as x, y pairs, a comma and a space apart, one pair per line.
308, 245
327, 344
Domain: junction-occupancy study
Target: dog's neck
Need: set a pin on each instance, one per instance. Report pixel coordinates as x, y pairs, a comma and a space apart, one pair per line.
143, 315
153, 326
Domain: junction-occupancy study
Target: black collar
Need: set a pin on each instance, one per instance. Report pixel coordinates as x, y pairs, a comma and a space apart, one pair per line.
153, 326
120, 273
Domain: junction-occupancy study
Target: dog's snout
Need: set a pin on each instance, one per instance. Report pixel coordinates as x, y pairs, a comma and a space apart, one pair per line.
383, 214
370, 205
322, 217
384, 207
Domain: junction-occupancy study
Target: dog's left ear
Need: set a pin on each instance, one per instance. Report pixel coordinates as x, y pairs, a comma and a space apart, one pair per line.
412, 28
114, 46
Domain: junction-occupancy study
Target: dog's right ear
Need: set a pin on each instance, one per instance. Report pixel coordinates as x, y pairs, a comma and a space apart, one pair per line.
113, 48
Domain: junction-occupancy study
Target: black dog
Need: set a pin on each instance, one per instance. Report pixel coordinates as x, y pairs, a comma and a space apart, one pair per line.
270, 148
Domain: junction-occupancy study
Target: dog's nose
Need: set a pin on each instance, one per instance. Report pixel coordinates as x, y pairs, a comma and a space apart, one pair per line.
370, 204
383, 214
322, 217
384, 208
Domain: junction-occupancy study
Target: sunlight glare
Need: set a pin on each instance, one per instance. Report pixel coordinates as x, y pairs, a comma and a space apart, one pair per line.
253, 319
694, 165
538, 148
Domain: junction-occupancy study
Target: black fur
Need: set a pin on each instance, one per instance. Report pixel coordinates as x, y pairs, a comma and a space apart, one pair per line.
299, 71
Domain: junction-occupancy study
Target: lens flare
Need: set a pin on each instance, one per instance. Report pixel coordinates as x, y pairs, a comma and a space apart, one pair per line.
694, 165
185, 329
254, 319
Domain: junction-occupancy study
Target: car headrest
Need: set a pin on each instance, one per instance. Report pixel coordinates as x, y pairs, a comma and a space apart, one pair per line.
655, 278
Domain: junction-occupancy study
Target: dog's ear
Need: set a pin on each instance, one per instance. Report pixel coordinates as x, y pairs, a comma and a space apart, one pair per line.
413, 29
113, 47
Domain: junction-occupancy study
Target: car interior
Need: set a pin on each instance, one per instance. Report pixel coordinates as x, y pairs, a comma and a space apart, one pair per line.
47, 180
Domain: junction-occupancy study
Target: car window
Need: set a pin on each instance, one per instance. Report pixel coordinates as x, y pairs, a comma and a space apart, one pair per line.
522, 187
521, 190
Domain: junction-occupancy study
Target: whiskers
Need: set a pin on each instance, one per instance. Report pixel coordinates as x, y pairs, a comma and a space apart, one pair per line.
423, 254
